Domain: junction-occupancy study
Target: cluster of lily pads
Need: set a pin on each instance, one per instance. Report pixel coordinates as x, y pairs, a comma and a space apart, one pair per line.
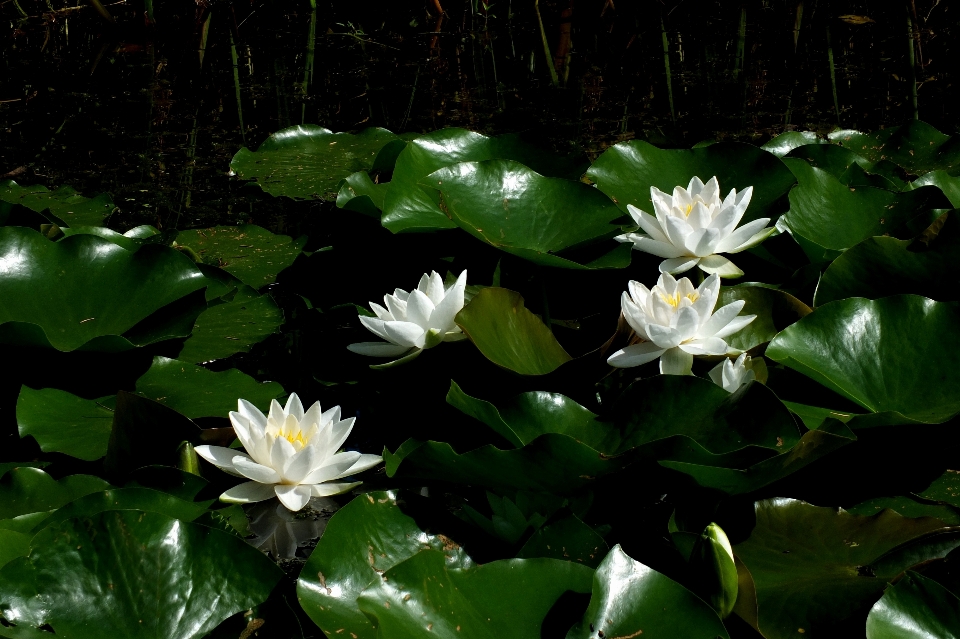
608, 429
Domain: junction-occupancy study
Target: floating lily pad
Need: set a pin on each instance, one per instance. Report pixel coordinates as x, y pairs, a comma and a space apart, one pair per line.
857, 347
627, 170
133, 498
945, 488
908, 506
80, 579
30, 490
64, 206
87, 292
630, 598
775, 310
366, 537
786, 142
426, 595
915, 608
509, 206
359, 193
509, 335
408, 206
916, 146
13, 544
568, 539
64, 423
831, 158
232, 327
248, 252
306, 162
947, 183
813, 567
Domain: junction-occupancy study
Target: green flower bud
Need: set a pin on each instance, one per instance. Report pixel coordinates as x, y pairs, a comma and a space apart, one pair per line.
713, 571
187, 459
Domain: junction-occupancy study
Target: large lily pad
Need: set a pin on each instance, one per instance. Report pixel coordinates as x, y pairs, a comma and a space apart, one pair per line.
64, 423
891, 354
945, 489
882, 266
916, 146
947, 183
915, 608
627, 170
813, 567
132, 498
306, 162
509, 335
631, 599
64, 206
408, 206
87, 578
359, 193
87, 292
366, 537
775, 310
232, 327
568, 539
249, 252
30, 490
788, 141
835, 216
509, 206
426, 595
13, 544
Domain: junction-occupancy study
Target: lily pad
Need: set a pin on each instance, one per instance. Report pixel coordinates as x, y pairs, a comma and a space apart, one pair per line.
232, 327
64, 207
30, 490
813, 567
64, 423
947, 183
631, 599
306, 162
945, 488
627, 170
359, 193
509, 335
408, 206
831, 158
13, 544
195, 391
568, 539
775, 310
365, 538
506, 598
509, 206
133, 498
788, 141
908, 506
856, 347
249, 252
87, 292
916, 146
915, 608
80, 579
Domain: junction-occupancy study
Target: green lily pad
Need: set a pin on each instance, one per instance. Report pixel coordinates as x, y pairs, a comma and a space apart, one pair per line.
915, 608
408, 206
631, 599
13, 544
788, 141
87, 292
945, 488
568, 539
908, 506
364, 539
508, 206
168, 479
5, 467
509, 335
916, 146
947, 183
857, 348
813, 567
814, 416
64, 423
882, 266
30, 490
248, 252
64, 207
81, 578
232, 327
831, 158
627, 170
305, 162
506, 598
197, 392
775, 310
129, 243
133, 498
359, 193
835, 216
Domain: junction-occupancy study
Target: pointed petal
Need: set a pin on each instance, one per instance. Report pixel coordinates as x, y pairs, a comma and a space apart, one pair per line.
677, 230
293, 497
276, 412
711, 191
220, 457
708, 346
706, 242
334, 436
720, 265
257, 472
381, 312
735, 325
635, 355
333, 468
405, 334
753, 241
435, 288
252, 413
676, 362
719, 319
419, 309
452, 303
281, 451
687, 323
312, 416
378, 349
678, 264
397, 306
656, 247
300, 465
247, 493
650, 225
332, 488
741, 235
365, 462
294, 407
716, 373
663, 336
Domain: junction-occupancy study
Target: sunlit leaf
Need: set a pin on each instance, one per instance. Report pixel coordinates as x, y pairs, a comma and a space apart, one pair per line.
248, 252
64, 206
31, 490
916, 146
232, 327
915, 608
64, 423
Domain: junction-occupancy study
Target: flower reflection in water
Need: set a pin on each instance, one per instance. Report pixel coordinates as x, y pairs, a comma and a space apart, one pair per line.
280, 532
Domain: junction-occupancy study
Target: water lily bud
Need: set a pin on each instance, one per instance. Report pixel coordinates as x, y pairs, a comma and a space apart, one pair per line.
714, 571
187, 459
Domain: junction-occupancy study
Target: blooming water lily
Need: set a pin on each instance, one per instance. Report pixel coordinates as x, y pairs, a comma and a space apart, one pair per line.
731, 375
291, 453
676, 322
411, 322
693, 225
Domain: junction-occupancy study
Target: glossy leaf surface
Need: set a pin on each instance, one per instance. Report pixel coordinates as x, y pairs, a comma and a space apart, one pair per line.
915, 608
775, 310
916, 146
782, 144
249, 252
568, 539
233, 327
31, 490
64, 423
359, 193
64, 204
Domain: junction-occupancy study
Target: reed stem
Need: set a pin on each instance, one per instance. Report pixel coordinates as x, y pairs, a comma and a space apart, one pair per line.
554, 79
308, 67
833, 75
666, 68
911, 58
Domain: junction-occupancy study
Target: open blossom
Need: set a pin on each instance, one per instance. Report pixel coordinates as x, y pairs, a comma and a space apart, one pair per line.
731, 375
411, 322
693, 226
676, 322
291, 453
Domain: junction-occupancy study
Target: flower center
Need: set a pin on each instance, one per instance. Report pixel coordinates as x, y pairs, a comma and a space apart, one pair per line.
674, 300
294, 438
686, 211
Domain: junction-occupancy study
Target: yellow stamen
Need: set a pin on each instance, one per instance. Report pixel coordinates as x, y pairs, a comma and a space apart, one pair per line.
293, 438
674, 300
688, 209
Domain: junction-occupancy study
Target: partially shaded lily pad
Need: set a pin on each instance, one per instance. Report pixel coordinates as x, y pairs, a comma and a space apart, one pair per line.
945, 488
133, 498
509, 335
30, 490
248, 252
916, 146
80, 579
13, 544
65, 206
64, 423
947, 183
568, 539
857, 348
359, 193
232, 327
788, 141
775, 310
908, 506
915, 608
305, 162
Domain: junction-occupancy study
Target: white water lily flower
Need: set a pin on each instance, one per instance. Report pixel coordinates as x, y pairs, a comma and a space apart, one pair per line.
420, 319
693, 226
677, 322
291, 453
731, 375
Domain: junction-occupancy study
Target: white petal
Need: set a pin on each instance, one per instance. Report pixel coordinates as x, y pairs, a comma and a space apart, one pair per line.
293, 497
716, 373
220, 457
381, 312
378, 349
257, 472
397, 306
280, 452
721, 318
677, 230
635, 355
711, 191
253, 414
649, 224
405, 334
435, 288
334, 435
676, 362
705, 243
663, 336
276, 412
375, 326
447, 309
300, 465
735, 325
312, 416
687, 323
247, 493
720, 265
741, 235
655, 247
753, 241
365, 462
332, 488
419, 309
708, 346
242, 427
678, 264
333, 468
294, 406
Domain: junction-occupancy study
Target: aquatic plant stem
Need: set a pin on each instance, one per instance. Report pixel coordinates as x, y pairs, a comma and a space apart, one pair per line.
554, 79
911, 59
236, 86
308, 66
833, 75
666, 68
